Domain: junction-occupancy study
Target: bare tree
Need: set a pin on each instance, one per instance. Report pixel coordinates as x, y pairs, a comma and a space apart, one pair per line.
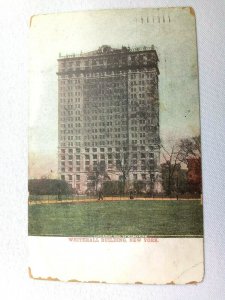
151, 168
123, 165
189, 148
171, 156
177, 153
97, 175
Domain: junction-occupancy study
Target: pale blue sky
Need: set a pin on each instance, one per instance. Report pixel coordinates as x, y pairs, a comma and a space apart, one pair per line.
175, 42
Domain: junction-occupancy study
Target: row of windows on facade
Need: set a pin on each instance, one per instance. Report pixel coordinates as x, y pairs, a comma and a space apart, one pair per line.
70, 106
107, 92
110, 60
96, 74
109, 165
65, 89
78, 177
101, 113
112, 142
104, 95
105, 84
144, 163
116, 122
70, 112
69, 94
70, 125
88, 157
70, 131
94, 130
100, 125
104, 102
107, 74
108, 110
114, 116
109, 101
96, 144
102, 136
69, 81
69, 100
144, 74
89, 169
95, 137
142, 102
124, 149
70, 119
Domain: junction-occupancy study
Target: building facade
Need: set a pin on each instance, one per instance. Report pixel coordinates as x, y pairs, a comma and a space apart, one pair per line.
108, 118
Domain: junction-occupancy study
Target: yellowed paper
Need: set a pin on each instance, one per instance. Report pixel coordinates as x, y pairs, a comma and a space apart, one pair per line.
115, 190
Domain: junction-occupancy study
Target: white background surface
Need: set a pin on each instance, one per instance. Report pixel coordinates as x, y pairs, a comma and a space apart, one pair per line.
14, 280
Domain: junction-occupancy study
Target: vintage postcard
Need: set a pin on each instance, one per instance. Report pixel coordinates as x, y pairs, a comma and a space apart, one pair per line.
115, 189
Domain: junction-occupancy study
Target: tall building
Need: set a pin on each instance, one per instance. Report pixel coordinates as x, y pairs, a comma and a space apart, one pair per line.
108, 118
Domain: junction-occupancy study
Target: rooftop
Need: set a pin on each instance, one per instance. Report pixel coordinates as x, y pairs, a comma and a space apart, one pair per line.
107, 50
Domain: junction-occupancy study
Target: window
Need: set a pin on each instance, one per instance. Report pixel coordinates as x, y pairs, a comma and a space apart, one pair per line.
94, 156
94, 149
70, 150
102, 156
63, 177
77, 177
70, 157
102, 149
77, 156
143, 176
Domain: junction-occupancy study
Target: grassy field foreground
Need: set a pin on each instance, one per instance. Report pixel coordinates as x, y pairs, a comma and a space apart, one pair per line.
184, 217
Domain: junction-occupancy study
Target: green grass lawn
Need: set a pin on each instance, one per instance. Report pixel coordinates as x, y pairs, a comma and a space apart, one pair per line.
134, 217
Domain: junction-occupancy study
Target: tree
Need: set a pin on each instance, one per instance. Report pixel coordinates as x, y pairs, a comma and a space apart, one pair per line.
189, 148
97, 176
175, 154
171, 156
49, 187
151, 168
123, 165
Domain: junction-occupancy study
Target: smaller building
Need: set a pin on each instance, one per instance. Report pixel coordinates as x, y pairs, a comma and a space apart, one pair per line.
194, 174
